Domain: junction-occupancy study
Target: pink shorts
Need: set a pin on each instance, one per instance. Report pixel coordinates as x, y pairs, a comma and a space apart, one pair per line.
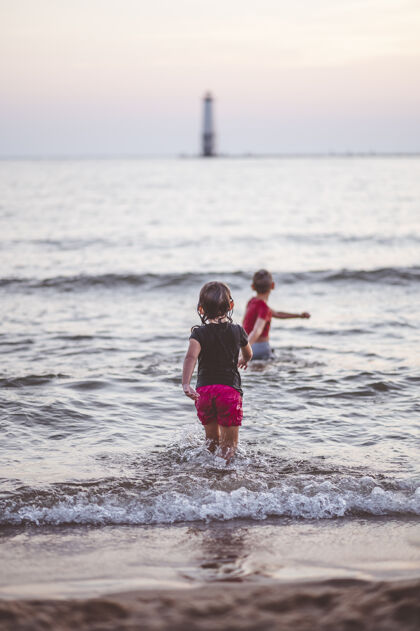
219, 403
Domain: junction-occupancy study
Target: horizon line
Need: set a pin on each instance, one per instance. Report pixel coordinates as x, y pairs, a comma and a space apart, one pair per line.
222, 155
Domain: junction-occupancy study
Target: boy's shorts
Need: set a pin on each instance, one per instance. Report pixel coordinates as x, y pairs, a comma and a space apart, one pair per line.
261, 350
221, 403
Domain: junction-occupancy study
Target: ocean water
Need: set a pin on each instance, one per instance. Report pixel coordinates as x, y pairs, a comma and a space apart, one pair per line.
101, 264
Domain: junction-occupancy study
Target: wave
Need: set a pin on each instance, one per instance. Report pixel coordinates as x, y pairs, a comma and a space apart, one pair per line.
81, 282
88, 507
29, 380
193, 488
111, 281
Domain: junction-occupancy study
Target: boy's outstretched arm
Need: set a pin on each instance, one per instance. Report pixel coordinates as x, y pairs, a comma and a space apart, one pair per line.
283, 315
190, 360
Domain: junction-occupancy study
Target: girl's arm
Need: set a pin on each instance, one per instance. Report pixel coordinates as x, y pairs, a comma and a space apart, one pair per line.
190, 360
283, 315
245, 356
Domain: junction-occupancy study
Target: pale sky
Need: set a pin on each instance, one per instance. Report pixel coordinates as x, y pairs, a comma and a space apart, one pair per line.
105, 77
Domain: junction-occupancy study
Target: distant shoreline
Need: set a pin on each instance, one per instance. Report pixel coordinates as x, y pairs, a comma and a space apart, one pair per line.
221, 156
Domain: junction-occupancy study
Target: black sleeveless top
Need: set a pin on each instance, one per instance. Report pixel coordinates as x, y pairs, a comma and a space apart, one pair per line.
218, 358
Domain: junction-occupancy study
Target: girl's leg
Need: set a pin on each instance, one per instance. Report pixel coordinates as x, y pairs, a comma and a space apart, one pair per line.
212, 435
229, 441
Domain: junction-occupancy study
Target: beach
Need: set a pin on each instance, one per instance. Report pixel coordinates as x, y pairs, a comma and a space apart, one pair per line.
238, 575
331, 605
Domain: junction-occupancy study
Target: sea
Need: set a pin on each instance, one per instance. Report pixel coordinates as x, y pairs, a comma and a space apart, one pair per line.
105, 480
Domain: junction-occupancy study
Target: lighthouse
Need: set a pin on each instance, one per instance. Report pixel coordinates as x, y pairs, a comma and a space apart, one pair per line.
208, 138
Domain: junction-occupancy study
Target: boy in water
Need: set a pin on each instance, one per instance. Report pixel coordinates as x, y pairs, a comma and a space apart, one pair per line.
258, 315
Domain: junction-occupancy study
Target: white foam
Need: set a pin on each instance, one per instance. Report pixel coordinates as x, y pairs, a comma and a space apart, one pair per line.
323, 500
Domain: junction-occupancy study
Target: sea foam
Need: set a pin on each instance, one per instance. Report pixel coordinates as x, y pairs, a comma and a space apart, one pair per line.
99, 505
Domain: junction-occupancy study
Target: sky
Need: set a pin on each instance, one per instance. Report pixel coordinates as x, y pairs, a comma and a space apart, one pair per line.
126, 77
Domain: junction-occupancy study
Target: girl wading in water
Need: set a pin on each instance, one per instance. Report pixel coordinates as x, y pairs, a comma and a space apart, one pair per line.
221, 347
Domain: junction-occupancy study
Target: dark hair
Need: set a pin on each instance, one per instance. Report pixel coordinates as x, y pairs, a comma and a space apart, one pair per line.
262, 281
215, 300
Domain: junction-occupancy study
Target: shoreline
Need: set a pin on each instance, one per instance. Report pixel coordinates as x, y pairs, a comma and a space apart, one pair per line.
197, 156
80, 562
333, 605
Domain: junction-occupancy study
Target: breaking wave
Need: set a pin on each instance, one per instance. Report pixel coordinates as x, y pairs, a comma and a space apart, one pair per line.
81, 282
194, 486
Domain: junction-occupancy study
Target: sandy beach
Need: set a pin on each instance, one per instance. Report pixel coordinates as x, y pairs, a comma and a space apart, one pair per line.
279, 574
330, 605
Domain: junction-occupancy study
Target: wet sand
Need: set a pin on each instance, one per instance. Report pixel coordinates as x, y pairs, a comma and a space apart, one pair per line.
331, 605
353, 574
84, 562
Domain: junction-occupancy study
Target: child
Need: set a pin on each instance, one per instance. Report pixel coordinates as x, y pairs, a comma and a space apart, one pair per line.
216, 344
258, 315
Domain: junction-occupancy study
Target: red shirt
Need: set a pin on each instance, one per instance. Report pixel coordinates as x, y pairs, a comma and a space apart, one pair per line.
257, 308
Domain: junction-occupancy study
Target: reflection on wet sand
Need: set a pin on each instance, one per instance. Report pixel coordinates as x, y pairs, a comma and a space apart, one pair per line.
224, 553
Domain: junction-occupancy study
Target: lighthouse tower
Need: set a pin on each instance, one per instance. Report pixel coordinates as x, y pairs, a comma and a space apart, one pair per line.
208, 139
